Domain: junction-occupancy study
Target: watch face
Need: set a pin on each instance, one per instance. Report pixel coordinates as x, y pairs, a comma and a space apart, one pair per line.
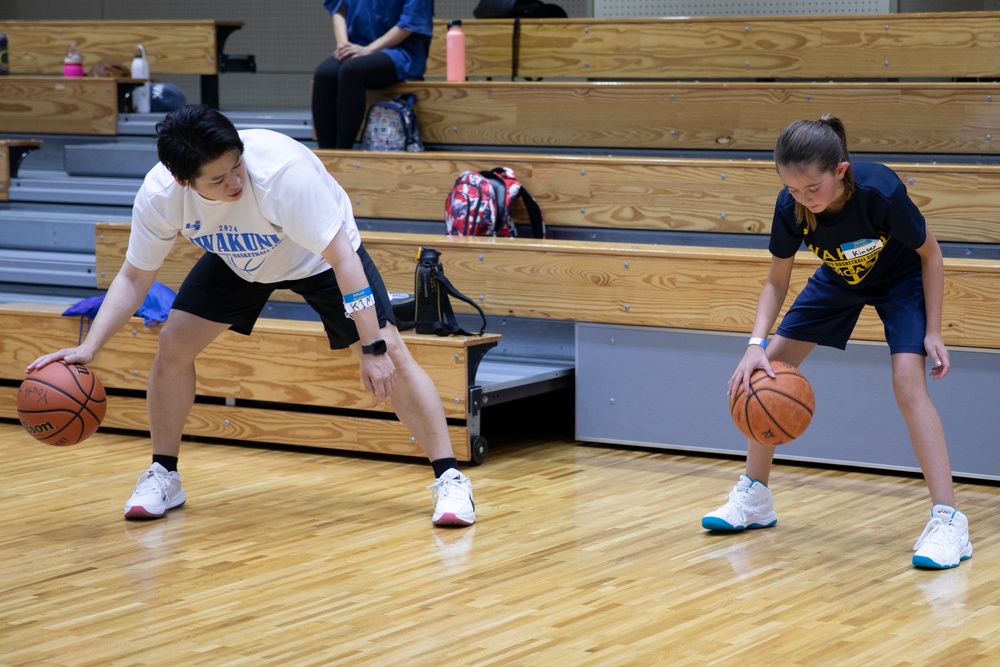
377, 347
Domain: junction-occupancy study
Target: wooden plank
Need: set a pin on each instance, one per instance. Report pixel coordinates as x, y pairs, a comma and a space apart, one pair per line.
683, 287
657, 194
905, 45
700, 288
282, 427
284, 361
59, 105
940, 117
172, 47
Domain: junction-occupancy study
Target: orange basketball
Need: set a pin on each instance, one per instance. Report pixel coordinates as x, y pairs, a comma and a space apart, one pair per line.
61, 404
778, 409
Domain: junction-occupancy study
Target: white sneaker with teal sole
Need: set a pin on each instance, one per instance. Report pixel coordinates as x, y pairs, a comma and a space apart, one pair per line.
945, 540
749, 506
453, 504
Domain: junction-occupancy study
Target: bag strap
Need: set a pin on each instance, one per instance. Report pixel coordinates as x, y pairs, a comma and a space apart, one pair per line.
534, 211
515, 47
451, 327
407, 99
499, 186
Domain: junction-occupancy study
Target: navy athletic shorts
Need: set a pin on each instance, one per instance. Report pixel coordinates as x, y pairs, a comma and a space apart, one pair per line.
826, 313
213, 292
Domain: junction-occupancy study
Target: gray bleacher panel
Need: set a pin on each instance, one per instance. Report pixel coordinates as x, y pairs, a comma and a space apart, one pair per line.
296, 124
48, 268
120, 159
50, 187
51, 228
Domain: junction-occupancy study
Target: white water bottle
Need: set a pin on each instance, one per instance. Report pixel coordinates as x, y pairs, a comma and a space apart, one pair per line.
140, 70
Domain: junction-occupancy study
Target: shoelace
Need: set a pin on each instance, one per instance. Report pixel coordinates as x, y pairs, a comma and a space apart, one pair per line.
736, 498
442, 487
934, 532
150, 480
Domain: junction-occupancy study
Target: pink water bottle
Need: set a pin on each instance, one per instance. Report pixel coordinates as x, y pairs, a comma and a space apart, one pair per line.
73, 64
455, 51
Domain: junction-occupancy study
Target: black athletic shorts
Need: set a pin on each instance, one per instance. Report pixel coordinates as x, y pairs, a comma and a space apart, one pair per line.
213, 292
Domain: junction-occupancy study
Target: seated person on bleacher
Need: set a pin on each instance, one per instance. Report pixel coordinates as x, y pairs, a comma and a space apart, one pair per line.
378, 44
270, 217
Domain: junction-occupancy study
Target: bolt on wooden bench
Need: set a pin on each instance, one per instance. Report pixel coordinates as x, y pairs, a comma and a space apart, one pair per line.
172, 47
281, 385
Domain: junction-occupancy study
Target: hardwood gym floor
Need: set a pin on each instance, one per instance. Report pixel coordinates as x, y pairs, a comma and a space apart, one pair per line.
583, 555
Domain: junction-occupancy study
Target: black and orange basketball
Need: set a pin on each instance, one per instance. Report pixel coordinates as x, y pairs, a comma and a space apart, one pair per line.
778, 409
61, 404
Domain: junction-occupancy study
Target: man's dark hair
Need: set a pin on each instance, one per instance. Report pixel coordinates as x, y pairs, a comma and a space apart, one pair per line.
191, 137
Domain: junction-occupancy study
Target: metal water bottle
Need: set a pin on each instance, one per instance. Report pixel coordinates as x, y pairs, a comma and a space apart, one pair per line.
140, 70
455, 51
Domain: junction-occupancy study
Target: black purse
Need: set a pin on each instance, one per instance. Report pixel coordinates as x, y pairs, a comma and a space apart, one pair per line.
433, 312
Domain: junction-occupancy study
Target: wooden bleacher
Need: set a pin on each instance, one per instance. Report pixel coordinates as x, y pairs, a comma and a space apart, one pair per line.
172, 47
59, 105
326, 405
698, 288
614, 193
941, 118
808, 47
614, 104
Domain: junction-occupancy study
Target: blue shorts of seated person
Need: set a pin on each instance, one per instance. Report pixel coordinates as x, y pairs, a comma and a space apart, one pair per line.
826, 312
213, 292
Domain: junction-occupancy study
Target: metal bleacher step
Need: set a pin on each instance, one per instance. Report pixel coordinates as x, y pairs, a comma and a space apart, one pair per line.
54, 187
295, 123
51, 269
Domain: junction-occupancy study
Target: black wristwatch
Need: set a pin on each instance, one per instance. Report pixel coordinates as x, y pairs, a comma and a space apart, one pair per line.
377, 347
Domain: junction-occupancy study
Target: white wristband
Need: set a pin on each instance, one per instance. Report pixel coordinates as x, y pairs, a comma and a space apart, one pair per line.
757, 341
352, 307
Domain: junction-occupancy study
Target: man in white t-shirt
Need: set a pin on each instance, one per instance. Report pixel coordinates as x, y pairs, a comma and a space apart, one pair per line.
270, 217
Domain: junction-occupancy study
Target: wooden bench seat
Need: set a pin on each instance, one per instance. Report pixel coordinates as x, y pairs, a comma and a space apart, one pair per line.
957, 118
12, 151
938, 45
59, 105
281, 385
655, 194
172, 47
681, 287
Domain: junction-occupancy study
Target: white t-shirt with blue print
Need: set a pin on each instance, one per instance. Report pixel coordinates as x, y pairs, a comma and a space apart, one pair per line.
290, 211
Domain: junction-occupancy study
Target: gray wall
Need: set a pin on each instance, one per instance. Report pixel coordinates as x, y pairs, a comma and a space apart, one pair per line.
288, 38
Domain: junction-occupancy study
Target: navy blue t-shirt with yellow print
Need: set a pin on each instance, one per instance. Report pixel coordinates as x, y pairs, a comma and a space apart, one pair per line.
871, 242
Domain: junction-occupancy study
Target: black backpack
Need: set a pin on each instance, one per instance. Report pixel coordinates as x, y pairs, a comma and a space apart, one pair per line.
433, 313
513, 9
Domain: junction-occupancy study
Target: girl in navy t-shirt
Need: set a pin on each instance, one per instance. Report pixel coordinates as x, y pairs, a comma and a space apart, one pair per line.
876, 250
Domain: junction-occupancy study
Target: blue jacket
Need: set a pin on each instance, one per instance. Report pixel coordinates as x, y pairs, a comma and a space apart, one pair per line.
367, 20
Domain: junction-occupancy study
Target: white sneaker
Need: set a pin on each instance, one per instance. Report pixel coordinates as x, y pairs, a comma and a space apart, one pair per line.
749, 506
453, 505
945, 540
156, 492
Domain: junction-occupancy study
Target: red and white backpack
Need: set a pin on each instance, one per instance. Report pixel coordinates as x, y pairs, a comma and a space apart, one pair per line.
480, 201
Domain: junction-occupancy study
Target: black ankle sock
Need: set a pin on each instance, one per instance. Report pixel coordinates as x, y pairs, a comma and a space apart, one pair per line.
442, 465
168, 462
